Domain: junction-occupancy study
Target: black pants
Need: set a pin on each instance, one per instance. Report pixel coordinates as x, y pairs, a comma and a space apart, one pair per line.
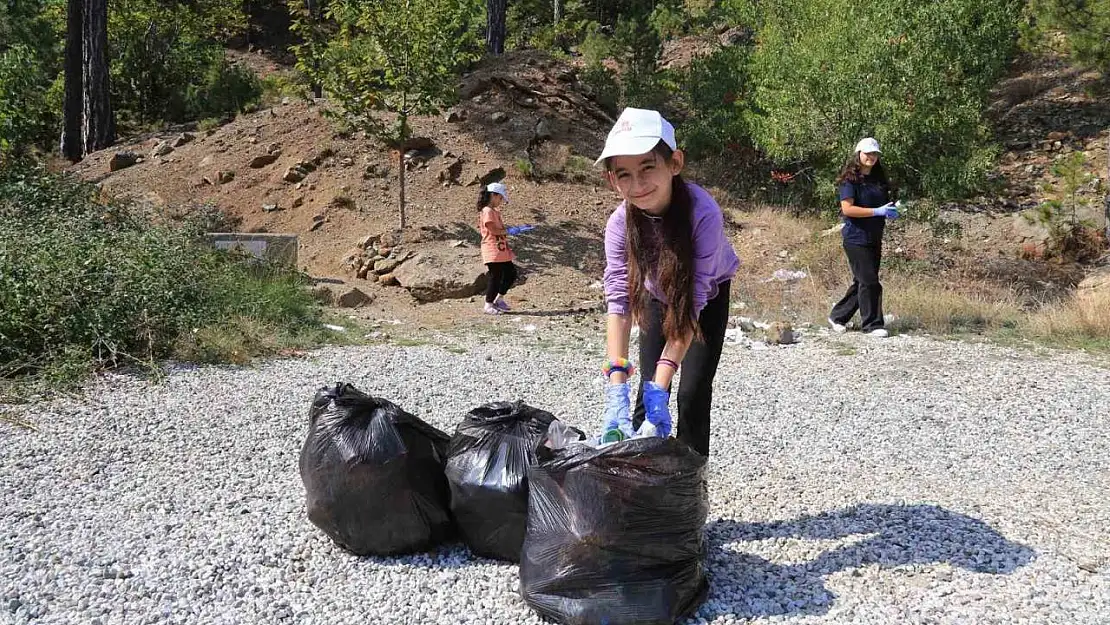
501, 279
699, 367
865, 294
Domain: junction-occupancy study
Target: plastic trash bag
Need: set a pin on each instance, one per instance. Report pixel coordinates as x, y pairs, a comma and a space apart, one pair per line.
487, 466
615, 533
373, 474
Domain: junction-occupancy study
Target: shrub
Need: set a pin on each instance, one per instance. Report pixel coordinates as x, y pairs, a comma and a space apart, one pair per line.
915, 75
86, 283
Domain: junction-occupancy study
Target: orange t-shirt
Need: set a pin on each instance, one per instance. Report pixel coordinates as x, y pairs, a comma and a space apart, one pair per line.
495, 240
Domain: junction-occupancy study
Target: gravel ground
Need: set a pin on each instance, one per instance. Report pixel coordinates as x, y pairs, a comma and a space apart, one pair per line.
852, 480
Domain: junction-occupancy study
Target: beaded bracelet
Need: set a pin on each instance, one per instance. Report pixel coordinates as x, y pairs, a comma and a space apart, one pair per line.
667, 361
623, 365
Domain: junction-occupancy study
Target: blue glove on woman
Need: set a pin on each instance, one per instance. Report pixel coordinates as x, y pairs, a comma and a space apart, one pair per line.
656, 400
515, 230
889, 210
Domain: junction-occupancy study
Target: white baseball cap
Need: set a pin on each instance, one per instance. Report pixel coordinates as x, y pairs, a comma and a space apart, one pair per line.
637, 131
867, 145
499, 189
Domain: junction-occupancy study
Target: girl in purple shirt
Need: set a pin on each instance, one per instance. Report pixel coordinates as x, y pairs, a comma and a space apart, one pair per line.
668, 269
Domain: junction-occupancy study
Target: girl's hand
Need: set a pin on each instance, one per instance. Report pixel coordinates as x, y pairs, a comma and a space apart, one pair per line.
617, 409
656, 401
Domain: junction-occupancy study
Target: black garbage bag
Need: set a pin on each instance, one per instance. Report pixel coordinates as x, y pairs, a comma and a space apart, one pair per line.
487, 465
615, 534
373, 474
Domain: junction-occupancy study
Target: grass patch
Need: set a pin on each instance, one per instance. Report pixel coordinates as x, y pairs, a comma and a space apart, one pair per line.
922, 296
922, 304
281, 85
1082, 322
580, 169
209, 123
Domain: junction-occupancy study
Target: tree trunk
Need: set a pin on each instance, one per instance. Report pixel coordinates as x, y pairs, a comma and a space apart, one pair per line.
495, 26
88, 123
1106, 207
558, 10
403, 138
99, 125
71, 143
401, 206
314, 18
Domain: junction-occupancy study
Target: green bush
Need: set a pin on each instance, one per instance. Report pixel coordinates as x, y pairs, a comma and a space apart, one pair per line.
86, 283
1084, 24
915, 75
30, 59
603, 86
24, 115
715, 94
223, 88
167, 62
530, 24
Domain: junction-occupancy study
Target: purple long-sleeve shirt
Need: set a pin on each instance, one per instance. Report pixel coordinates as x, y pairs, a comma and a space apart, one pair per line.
715, 262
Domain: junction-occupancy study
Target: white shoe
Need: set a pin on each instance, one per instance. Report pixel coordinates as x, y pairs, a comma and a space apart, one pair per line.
839, 328
880, 333
490, 309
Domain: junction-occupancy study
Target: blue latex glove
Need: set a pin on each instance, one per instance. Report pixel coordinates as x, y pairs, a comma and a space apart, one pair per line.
890, 211
515, 230
618, 409
656, 400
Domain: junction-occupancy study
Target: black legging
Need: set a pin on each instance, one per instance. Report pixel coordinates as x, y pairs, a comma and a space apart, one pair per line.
501, 279
699, 367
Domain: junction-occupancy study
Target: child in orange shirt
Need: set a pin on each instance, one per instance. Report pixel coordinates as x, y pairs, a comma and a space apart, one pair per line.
496, 253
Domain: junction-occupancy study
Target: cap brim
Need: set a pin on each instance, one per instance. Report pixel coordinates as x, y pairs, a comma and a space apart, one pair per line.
630, 147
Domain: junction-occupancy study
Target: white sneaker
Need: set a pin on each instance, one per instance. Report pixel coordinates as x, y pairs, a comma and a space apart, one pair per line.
880, 333
490, 309
839, 328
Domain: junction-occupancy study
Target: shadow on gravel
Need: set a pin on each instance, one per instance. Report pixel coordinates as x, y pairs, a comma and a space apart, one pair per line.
892, 536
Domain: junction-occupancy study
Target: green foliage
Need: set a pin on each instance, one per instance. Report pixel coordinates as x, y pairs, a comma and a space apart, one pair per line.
277, 86
525, 167
1070, 235
603, 86
397, 56
314, 32
167, 62
23, 111
30, 59
222, 88
915, 75
636, 47
715, 94
530, 24
86, 283
1084, 24
391, 59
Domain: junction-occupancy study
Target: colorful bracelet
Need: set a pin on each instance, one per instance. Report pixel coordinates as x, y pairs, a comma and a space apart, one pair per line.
667, 361
623, 365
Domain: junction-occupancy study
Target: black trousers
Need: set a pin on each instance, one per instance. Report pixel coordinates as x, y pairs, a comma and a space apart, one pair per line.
501, 279
865, 294
699, 367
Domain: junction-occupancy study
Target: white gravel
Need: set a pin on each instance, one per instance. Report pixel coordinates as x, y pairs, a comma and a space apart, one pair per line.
852, 480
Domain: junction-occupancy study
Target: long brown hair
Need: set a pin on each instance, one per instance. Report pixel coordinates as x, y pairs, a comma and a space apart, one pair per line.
483, 198
853, 172
669, 261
